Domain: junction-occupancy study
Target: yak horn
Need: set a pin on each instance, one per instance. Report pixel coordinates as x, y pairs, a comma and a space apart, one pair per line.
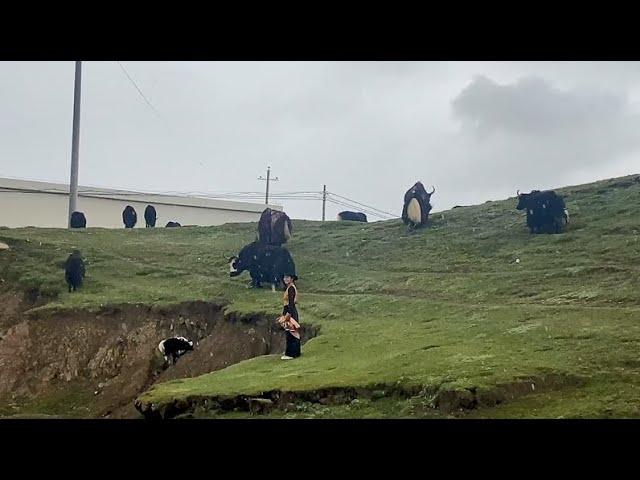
518, 192
432, 191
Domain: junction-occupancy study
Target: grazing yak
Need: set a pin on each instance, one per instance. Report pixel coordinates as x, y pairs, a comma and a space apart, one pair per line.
172, 224
352, 216
74, 270
417, 206
78, 220
129, 217
150, 216
174, 347
274, 227
265, 263
546, 211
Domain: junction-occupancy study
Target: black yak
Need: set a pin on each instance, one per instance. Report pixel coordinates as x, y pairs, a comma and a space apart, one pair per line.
150, 216
352, 216
78, 220
546, 211
274, 227
265, 263
417, 206
129, 217
74, 271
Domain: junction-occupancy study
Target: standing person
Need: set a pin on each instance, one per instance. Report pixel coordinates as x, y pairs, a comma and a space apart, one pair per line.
289, 319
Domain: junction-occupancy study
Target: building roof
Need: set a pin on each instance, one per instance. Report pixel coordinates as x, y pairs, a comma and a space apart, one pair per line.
28, 186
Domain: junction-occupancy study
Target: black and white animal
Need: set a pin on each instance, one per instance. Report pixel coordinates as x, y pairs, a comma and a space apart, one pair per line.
150, 216
265, 263
129, 217
417, 206
274, 227
352, 216
74, 270
78, 220
172, 224
546, 211
174, 347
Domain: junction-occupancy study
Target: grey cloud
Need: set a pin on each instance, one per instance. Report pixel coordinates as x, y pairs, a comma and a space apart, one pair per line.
533, 106
529, 133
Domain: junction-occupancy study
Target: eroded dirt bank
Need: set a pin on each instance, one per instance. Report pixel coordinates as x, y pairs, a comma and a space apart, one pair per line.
113, 353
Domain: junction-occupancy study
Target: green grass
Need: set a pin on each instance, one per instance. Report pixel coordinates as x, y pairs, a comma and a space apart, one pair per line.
445, 306
72, 401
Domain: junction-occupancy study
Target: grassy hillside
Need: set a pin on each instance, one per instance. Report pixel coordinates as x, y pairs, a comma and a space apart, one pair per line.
443, 308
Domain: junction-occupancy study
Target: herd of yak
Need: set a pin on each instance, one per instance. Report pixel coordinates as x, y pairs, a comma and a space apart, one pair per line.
267, 260
129, 218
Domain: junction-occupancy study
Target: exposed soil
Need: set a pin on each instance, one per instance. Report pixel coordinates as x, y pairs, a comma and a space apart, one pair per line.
113, 353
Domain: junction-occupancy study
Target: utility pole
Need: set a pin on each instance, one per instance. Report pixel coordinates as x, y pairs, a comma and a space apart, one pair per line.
75, 143
324, 200
268, 179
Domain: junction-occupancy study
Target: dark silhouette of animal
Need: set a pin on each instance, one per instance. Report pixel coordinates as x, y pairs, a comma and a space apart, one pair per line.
174, 347
150, 216
172, 224
352, 216
417, 206
78, 220
265, 263
74, 271
546, 211
129, 217
274, 227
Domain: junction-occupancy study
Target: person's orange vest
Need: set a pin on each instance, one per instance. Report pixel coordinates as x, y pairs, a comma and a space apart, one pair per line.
285, 297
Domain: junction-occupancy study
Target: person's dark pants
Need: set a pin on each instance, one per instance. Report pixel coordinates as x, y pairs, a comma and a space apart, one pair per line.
293, 345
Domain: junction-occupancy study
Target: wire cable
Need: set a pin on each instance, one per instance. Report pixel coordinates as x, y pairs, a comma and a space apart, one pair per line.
364, 205
140, 92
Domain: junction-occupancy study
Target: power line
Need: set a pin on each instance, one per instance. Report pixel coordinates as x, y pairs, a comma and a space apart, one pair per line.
359, 205
140, 92
371, 214
363, 210
364, 205
155, 110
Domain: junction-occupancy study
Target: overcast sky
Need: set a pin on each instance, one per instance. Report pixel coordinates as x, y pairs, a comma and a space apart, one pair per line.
368, 130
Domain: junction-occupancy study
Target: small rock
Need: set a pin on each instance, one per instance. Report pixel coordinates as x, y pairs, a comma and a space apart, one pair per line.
4, 246
265, 402
517, 260
376, 394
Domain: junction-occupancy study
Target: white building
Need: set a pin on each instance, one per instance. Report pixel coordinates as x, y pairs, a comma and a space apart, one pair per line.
42, 204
